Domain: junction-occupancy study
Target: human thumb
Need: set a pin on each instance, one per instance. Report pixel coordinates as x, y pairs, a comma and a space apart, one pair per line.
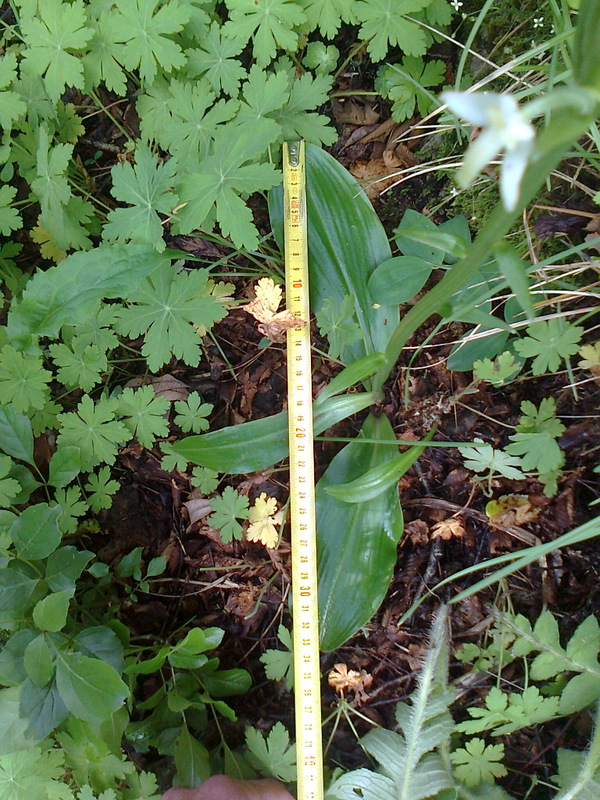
221, 787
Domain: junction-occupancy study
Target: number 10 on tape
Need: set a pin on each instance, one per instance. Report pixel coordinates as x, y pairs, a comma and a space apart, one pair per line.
307, 683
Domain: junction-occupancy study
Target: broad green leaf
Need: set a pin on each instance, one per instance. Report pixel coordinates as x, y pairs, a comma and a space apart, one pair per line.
191, 760
378, 479
91, 689
12, 669
418, 226
65, 466
102, 642
15, 593
356, 372
399, 279
43, 707
38, 662
186, 652
35, 532
16, 436
70, 292
263, 442
346, 242
356, 541
464, 355
436, 239
64, 566
226, 682
50, 614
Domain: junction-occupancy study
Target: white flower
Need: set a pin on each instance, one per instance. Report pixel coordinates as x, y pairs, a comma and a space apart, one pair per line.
538, 22
505, 129
456, 4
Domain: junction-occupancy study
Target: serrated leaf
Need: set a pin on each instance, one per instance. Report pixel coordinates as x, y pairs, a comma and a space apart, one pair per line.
272, 755
145, 32
147, 187
216, 189
227, 510
270, 23
57, 29
549, 342
384, 25
167, 307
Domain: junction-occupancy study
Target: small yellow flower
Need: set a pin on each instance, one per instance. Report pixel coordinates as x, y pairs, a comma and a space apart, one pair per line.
263, 518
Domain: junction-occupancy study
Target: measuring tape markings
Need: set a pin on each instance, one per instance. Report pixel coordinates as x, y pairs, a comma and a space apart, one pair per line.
307, 676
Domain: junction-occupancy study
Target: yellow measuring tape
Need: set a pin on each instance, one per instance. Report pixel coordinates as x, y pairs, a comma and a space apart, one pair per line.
307, 674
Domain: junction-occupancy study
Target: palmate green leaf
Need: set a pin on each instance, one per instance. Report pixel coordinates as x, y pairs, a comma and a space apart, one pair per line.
279, 664
72, 506
217, 187
328, 15
148, 188
145, 31
194, 122
167, 307
100, 489
10, 219
270, 23
272, 755
296, 116
9, 487
228, 508
536, 435
336, 322
11, 104
216, 61
406, 85
32, 775
356, 541
23, 380
51, 186
143, 413
69, 294
191, 413
549, 342
79, 366
102, 62
484, 458
50, 35
94, 429
477, 762
384, 25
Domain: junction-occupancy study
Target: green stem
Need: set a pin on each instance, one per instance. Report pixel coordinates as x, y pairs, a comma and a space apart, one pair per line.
563, 131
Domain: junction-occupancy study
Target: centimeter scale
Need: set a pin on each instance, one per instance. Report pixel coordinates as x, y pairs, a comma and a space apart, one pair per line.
307, 684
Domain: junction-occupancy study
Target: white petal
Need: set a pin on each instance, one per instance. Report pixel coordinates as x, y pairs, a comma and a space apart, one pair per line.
475, 107
480, 153
511, 176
